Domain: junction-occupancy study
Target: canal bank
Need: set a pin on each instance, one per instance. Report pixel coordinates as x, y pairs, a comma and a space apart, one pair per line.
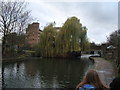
105, 69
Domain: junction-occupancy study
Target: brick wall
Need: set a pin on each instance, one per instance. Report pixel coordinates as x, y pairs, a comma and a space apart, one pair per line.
32, 33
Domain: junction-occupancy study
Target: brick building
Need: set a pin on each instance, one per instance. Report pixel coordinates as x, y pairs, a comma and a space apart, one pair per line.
32, 34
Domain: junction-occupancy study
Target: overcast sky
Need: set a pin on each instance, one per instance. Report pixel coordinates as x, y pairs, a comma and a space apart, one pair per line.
101, 18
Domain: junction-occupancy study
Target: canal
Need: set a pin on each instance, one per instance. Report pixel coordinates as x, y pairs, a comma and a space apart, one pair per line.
45, 73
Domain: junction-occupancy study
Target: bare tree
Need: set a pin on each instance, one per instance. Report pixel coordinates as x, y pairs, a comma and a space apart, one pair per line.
14, 17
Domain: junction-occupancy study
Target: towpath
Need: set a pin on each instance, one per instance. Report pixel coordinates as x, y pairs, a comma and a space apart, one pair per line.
105, 70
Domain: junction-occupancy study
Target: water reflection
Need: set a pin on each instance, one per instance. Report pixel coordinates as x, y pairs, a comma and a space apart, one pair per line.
44, 73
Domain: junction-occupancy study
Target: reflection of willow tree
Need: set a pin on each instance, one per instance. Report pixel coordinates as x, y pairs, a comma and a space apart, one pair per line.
71, 37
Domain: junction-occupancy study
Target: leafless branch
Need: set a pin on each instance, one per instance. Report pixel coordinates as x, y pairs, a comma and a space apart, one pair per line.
13, 16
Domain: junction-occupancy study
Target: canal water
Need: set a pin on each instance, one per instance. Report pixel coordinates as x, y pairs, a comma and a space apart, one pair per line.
45, 73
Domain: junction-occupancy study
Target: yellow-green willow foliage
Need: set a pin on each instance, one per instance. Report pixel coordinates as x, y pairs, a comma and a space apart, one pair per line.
71, 37
47, 41
84, 43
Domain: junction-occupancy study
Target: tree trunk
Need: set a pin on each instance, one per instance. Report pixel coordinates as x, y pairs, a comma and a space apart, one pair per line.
3, 45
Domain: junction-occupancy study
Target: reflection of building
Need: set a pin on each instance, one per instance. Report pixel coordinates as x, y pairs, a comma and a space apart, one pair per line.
33, 33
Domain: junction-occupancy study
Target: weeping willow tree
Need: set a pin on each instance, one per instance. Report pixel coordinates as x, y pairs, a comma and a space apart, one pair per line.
71, 37
84, 42
47, 41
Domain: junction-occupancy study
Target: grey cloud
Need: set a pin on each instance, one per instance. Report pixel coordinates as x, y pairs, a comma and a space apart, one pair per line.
103, 12
96, 16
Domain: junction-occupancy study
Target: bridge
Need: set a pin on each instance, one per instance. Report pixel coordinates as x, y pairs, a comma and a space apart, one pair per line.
85, 54
89, 55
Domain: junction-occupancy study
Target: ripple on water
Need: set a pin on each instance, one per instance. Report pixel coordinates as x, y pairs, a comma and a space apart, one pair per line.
45, 73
